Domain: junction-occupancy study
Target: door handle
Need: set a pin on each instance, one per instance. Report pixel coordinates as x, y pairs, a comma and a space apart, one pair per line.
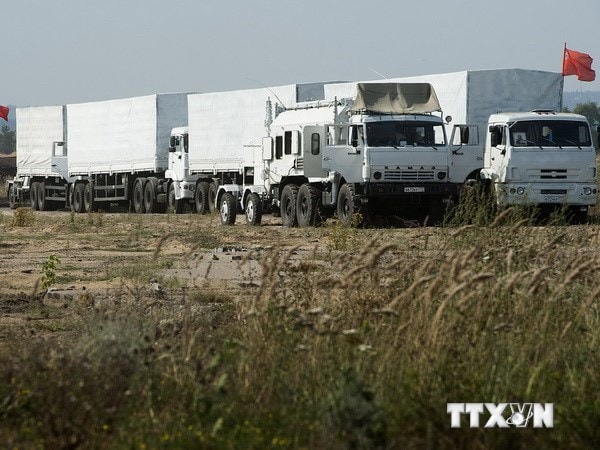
326, 158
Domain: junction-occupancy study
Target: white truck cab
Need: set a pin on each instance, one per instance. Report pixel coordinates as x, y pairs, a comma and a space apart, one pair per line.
541, 158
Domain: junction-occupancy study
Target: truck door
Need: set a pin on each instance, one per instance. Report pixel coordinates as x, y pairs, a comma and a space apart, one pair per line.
313, 142
59, 158
497, 151
340, 156
466, 152
178, 156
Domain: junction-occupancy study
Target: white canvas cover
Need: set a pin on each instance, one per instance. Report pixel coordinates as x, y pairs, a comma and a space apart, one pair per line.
470, 97
395, 98
225, 126
124, 135
37, 130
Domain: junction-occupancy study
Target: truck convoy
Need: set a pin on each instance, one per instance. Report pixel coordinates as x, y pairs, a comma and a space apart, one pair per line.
309, 151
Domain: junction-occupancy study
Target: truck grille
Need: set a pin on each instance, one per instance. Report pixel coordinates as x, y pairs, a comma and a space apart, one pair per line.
553, 174
408, 175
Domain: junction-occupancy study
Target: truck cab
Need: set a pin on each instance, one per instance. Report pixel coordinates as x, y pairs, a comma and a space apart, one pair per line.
386, 145
182, 184
541, 158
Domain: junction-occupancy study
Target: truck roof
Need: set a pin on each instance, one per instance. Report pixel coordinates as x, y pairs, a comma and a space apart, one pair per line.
535, 115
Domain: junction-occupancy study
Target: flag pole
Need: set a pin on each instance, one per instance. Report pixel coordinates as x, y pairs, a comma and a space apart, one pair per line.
562, 81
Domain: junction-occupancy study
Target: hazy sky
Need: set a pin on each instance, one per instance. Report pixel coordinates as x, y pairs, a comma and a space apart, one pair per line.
66, 51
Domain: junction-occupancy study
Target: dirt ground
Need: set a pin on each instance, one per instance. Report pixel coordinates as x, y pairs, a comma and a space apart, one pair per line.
103, 256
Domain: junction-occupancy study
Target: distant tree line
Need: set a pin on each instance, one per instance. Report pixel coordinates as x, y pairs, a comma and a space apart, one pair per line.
8, 141
591, 111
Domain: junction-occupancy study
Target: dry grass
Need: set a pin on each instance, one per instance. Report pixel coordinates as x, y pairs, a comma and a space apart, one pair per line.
359, 345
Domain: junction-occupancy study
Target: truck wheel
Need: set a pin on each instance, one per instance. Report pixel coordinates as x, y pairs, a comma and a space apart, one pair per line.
307, 206
576, 216
78, 198
89, 204
435, 213
287, 207
227, 209
345, 205
175, 205
254, 209
33, 195
12, 200
201, 198
150, 203
41, 196
138, 196
212, 197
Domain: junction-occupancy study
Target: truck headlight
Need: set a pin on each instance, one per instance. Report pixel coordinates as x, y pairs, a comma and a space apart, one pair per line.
377, 175
520, 190
587, 190
441, 175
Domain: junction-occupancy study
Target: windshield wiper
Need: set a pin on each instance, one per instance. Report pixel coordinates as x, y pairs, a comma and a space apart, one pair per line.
569, 142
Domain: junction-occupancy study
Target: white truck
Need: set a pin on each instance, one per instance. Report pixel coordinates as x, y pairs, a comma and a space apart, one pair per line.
352, 155
42, 174
541, 158
86, 155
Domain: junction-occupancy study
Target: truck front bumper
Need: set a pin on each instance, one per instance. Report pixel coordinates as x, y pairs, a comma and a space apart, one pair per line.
546, 193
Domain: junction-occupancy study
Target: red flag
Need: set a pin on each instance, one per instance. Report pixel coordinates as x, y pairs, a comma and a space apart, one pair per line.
577, 63
4, 112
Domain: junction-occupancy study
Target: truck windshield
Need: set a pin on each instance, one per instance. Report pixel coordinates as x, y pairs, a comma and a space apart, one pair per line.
402, 134
550, 133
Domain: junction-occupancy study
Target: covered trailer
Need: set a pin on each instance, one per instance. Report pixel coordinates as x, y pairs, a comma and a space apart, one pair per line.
224, 127
41, 157
223, 140
127, 135
119, 151
471, 96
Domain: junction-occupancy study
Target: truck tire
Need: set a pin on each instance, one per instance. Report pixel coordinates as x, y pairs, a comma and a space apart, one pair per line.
12, 200
33, 195
227, 209
78, 198
346, 207
41, 197
150, 203
254, 209
435, 213
308, 206
287, 205
89, 204
201, 197
576, 216
175, 205
212, 197
138, 196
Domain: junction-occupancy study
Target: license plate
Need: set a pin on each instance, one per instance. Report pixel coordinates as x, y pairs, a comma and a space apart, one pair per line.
414, 189
553, 198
